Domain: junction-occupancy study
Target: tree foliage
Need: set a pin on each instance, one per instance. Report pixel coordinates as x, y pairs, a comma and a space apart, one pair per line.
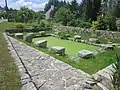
64, 15
91, 9
56, 3
24, 15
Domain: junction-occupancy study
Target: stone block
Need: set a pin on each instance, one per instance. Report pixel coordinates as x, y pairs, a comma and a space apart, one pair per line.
28, 38
77, 38
41, 43
42, 33
94, 40
31, 34
107, 46
19, 35
85, 54
58, 50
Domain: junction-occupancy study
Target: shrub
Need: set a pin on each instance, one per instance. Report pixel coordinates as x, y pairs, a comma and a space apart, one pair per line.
63, 35
19, 25
95, 25
79, 23
84, 24
35, 26
110, 21
42, 24
100, 24
73, 23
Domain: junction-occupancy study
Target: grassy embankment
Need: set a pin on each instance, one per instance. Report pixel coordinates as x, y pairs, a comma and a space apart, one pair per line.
9, 76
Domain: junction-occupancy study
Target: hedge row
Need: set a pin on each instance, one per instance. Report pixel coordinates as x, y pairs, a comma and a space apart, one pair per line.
15, 30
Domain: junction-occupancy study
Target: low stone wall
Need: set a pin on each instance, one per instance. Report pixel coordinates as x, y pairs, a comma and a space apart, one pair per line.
90, 32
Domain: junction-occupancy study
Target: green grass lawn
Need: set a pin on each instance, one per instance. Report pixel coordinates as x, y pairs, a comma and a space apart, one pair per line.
90, 66
71, 47
9, 76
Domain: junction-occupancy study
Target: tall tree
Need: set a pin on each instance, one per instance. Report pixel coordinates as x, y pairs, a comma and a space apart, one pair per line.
90, 9
116, 11
64, 15
24, 15
74, 6
96, 9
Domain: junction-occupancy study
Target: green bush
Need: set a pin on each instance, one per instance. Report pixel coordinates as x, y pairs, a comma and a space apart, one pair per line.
100, 24
42, 24
11, 20
110, 21
95, 25
63, 35
35, 26
84, 24
19, 25
79, 23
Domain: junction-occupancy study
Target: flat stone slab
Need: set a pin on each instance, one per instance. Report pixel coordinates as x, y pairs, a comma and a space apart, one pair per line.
107, 46
41, 43
77, 37
85, 54
58, 50
94, 40
19, 35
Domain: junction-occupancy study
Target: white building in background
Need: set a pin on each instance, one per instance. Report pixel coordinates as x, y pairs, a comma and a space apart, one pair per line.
49, 12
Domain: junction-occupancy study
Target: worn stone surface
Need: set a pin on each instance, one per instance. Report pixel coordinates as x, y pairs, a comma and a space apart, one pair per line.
28, 38
107, 46
58, 50
85, 54
41, 43
40, 71
94, 40
19, 35
103, 77
77, 38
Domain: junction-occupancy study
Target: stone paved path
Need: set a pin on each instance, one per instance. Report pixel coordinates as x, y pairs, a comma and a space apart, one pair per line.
40, 71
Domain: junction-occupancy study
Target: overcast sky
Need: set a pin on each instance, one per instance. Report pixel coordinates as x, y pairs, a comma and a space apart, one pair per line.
32, 4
